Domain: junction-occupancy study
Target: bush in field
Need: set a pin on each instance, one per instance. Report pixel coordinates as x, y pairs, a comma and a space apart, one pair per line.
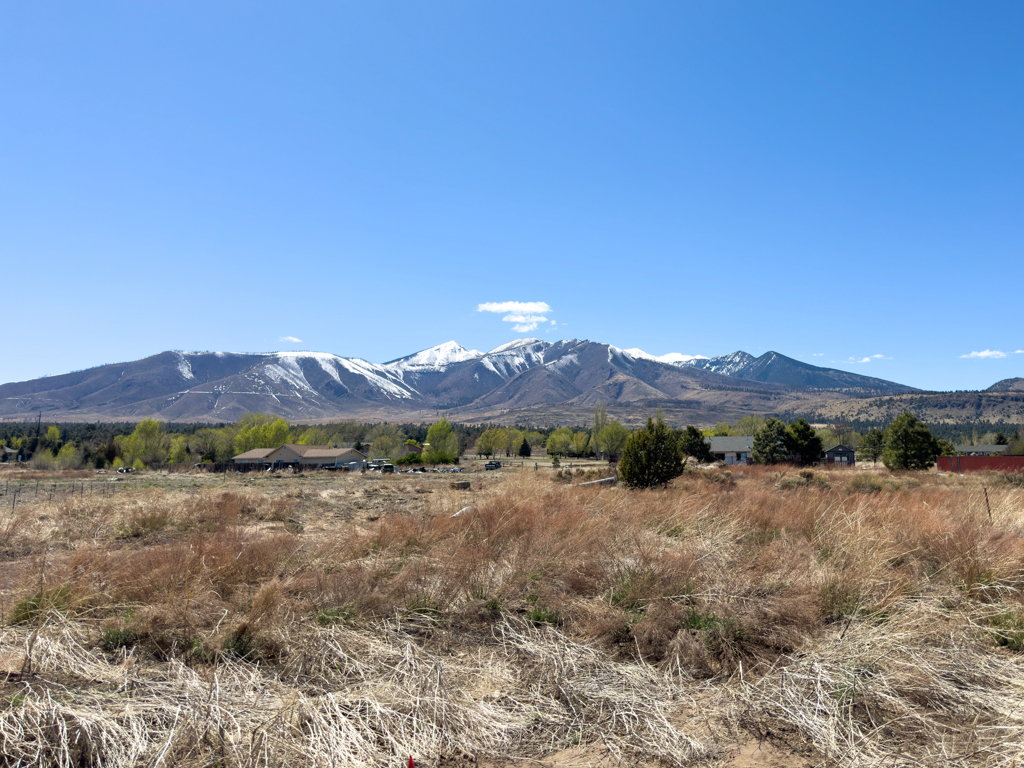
651, 456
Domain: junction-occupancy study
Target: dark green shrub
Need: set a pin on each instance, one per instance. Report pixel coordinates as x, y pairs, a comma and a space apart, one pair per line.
345, 614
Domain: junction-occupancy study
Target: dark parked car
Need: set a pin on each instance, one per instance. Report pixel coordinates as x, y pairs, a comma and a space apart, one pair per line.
492, 465
387, 469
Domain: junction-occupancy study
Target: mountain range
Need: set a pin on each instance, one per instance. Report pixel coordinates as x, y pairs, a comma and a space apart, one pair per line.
526, 380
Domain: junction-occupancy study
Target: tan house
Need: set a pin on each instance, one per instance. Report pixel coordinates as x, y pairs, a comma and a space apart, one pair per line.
303, 456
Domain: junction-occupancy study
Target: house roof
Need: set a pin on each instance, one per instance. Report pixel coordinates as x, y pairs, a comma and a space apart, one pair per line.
842, 448
324, 452
304, 451
256, 453
982, 448
731, 444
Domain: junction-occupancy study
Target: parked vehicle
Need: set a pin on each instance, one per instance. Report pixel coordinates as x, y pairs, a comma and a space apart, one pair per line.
492, 465
387, 469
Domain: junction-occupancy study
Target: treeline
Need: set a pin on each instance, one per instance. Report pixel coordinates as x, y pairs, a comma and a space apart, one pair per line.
150, 444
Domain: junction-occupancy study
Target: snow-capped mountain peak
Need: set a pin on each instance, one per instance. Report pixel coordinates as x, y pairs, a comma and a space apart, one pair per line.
436, 357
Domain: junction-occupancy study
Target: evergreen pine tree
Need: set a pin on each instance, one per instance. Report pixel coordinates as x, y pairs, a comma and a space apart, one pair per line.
770, 443
909, 444
651, 456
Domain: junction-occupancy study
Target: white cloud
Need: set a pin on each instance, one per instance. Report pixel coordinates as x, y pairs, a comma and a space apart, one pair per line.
862, 360
986, 353
291, 339
524, 307
818, 354
1019, 352
524, 319
527, 315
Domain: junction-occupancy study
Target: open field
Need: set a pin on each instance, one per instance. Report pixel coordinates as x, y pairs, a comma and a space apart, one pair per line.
752, 617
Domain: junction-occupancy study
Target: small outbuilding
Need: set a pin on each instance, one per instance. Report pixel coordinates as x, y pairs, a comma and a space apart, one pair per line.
841, 456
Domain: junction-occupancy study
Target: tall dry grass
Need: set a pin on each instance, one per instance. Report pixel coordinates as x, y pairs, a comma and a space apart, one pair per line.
846, 612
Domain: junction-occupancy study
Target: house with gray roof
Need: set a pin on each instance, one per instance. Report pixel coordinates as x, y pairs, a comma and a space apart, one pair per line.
735, 449
301, 457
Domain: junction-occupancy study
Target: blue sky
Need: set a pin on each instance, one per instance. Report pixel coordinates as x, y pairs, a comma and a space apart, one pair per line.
838, 182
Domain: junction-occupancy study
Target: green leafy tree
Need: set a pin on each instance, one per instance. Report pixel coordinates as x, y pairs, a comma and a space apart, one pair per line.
611, 440
804, 442
909, 444
748, 425
560, 442
651, 456
581, 443
314, 436
946, 448
260, 430
485, 444
771, 443
180, 451
147, 445
501, 440
721, 429
1001, 439
441, 445
70, 457
524, 449
873, 444
692, 443
600, 422
50, 441
387, 439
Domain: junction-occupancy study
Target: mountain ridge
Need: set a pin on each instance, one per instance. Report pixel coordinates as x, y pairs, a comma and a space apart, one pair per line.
520, 375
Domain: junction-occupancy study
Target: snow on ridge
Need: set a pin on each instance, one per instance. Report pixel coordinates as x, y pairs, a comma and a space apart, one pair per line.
672, 358
564, 361
515, 344
515, 357
326, 361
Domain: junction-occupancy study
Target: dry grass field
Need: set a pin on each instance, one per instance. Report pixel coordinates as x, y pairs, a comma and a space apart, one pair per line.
753, 617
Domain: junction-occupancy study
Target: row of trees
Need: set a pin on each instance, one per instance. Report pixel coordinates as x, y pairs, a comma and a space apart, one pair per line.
656, 454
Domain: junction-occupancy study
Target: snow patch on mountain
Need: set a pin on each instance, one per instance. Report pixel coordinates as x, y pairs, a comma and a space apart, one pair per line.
376, 376
185, 367
288, 371
564, 362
